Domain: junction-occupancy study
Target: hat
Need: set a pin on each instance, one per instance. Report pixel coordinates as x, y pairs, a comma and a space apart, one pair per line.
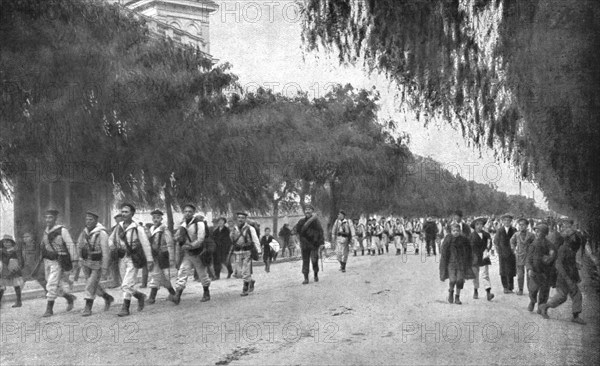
52, 212
156, 212
342, 212
131, 207
241, 213
543, 227
522, 219
507, 215
190, 206
92, 213
483, 221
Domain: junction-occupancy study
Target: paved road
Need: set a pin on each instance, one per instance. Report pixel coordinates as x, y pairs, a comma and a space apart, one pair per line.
384, 310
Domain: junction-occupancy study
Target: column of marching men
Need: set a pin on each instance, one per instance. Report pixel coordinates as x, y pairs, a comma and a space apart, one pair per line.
541, 253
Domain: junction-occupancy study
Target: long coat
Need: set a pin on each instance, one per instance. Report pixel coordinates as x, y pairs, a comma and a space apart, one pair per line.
508, 261
222, 239
460, 247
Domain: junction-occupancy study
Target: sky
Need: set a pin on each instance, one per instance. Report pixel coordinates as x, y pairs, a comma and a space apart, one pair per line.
261, 39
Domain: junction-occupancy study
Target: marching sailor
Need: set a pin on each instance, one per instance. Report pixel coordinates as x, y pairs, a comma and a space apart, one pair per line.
59, 253
131, 243
342, 234
192, 235
163, 253
245, 243
94, 258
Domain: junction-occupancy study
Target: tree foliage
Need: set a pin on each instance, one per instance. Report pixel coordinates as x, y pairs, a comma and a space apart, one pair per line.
520, 76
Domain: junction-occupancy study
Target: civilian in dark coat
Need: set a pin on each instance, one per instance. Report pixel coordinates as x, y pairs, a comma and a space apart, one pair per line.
539, 268
508, 261
455, 262
311, 235
223, 242
268, 255
285, 234
568, 277
431, 230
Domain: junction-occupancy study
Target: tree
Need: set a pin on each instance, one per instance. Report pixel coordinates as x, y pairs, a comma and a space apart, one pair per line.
529, 91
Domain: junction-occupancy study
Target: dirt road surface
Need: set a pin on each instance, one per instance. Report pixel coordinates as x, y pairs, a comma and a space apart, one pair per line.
385, 310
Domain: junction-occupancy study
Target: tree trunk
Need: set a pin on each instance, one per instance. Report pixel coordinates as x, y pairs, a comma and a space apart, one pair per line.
169, 208
334, 209
275, 217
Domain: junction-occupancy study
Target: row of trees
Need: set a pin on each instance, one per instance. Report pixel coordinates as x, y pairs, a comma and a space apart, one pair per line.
156, 117
518, 76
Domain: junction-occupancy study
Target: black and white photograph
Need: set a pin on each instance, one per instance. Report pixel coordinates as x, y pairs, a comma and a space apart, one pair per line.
299, 182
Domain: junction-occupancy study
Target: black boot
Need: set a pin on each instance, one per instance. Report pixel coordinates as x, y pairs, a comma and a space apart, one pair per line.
49, 307
343, 266
206, 295
475, 294
152, 298
87, 310
141, 298
450, 296
416, 250
251, 285
245, 289
490, 295
387, 249
457, 300
355, 253
108, 300
125, 308
18, 303
305, 282
70, 301
176, 296
362, 252
316, 277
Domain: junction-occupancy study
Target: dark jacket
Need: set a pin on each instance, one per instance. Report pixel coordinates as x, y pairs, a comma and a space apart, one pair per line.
566, 266
10, 250
430, 228
222, 241
285, 233
478, 246
456, 251
264, 243
540, 261
311, 235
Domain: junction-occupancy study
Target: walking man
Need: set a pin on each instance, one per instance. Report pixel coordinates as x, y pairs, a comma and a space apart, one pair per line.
94, 258
163, 253
245, 241
285, 234
223, 243
539, 268
508, 263
192, 235
311, 235
431, 231
481, 243
342, 234
59, 253
131, 243
568, 277
520, 243
265, 243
